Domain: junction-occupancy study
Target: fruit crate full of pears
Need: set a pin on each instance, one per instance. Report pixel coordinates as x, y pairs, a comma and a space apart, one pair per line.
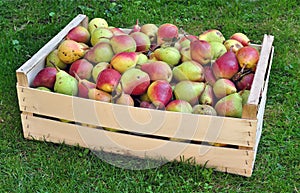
149, 91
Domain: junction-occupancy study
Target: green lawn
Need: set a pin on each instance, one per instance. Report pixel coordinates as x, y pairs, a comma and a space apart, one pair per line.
31, 166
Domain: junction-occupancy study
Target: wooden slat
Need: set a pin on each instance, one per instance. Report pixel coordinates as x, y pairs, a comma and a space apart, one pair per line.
224, 159
162, 123
260, 114
260, 72
36, 62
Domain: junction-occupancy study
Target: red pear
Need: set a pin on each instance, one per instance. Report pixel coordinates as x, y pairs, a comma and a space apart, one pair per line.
160, 93
79, 34
166, 33
245, 82
123, 43
226, 65
209, 75
45, 77
201, 51
179, 106
82, 67
108, 79
99, 95
84, 86
241, 37
142, 41
223, 87
134, 82
101, 52
117, 31
248, 57
157, 70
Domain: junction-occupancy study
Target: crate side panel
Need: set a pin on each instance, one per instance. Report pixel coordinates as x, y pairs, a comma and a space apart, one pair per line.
163, 123
262, 105
223, 159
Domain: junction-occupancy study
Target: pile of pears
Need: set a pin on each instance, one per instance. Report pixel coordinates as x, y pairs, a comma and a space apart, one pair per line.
153, 66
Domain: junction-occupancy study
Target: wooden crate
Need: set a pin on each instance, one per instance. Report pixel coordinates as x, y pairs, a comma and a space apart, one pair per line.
147, 131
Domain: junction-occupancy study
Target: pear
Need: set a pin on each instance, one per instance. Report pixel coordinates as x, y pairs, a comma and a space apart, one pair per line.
226, 66
46, 77
166, 33
170, 55
218, 49
244, 94
179, 106
223, 87
123, 43
69, 51
241, 37
160, 93
142, 58
185, 54
189, 70
79, 34
157, 70
98, 68
65, 83
99, 34
232, 44
212, 35
189, 91
101, 52
142, 41
83, 86
151, 31
124, 99
95, 23
43, 88
201, 51
99, 95
123, 61
82, 67
207, 97
230, 106
52, 58
134, 82
204, 110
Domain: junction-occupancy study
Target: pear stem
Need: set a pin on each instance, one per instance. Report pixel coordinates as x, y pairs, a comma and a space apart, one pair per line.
118, 95
52, 63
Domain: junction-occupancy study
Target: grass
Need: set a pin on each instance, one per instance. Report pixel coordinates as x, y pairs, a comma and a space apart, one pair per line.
31, 166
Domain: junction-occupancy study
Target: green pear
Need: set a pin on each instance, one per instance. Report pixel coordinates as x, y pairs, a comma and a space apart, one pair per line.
170, 55
65, 83
189, 91
204, 110
53, 59
244, 94
217, 49
43, 88
223, 87
212, 35
142, 58
230, 106
99, 34
207, 97
189, 70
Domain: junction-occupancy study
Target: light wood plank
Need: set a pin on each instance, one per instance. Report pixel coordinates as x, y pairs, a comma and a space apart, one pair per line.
261, 68
162, 123
220, 158
262, 106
